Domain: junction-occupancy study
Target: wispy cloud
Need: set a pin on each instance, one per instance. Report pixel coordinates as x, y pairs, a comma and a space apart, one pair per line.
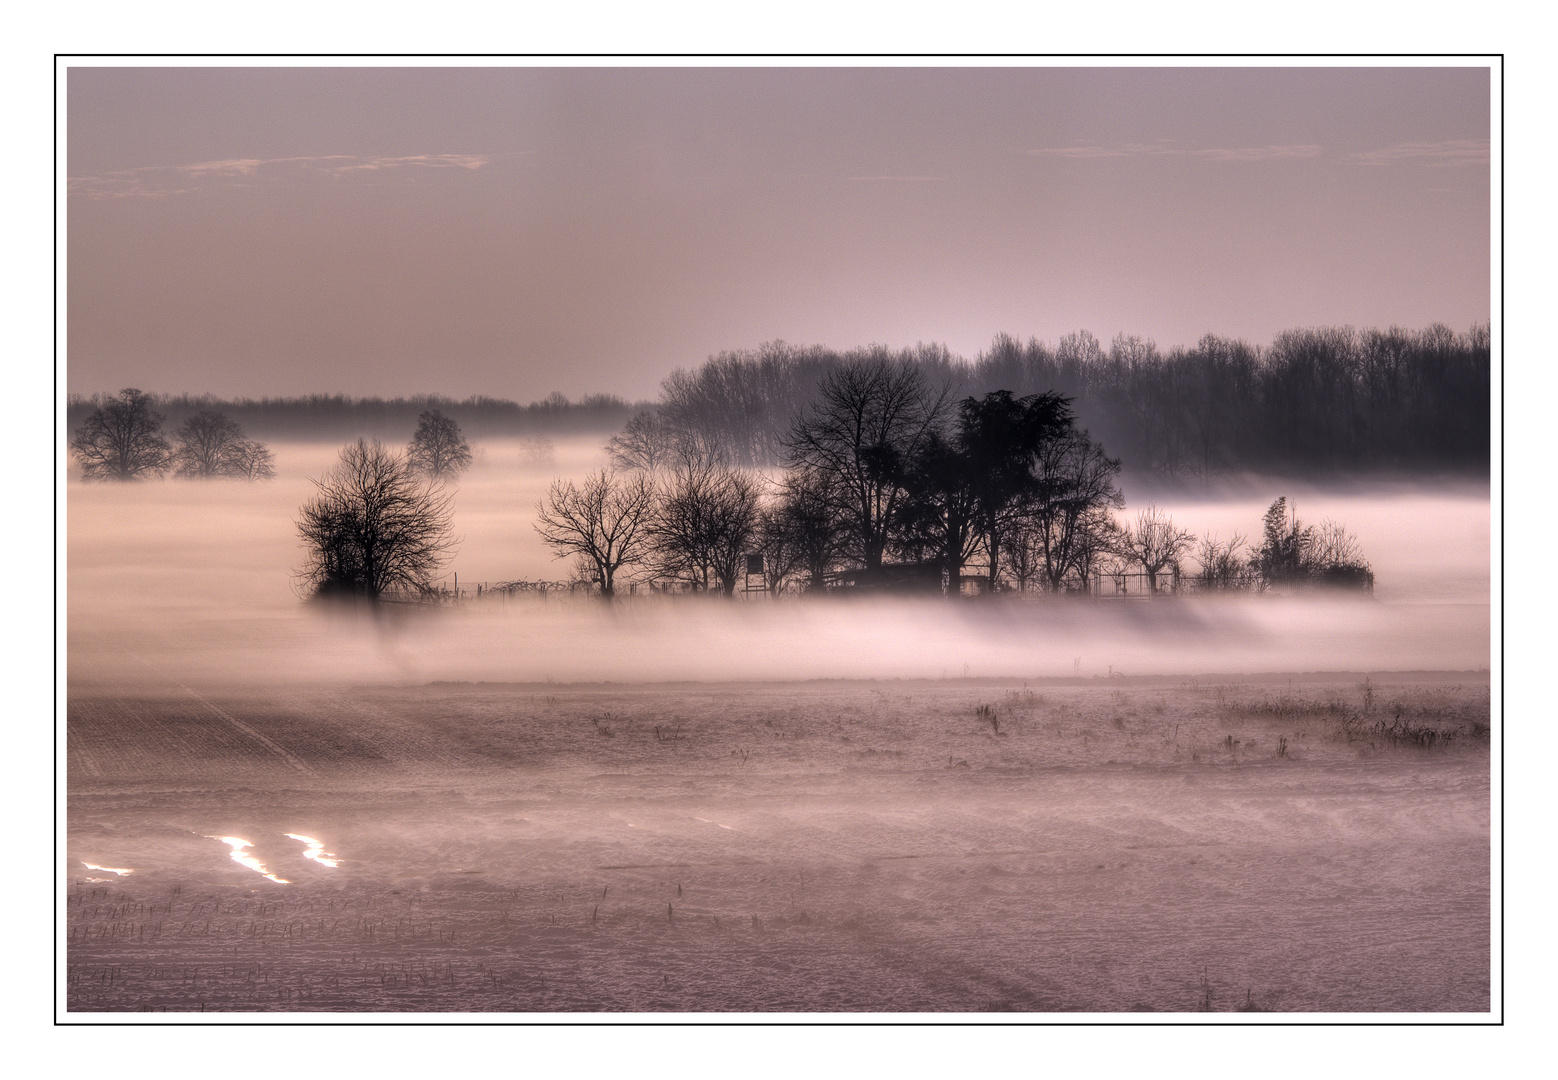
165, 180
898, 179
1447, 154
1167, 150
1259, 153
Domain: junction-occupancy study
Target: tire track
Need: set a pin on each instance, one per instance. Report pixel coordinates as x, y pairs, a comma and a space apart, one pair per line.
238, 725
271, 745
77, 749
404, 740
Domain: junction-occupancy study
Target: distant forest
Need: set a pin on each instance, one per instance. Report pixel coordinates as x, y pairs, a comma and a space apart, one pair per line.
1314, 402
1321, 401
335, 416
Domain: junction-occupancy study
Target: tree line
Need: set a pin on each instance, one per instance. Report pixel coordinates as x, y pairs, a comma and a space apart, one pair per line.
122, 439
1314, 401
321, 416
888, 483
891, 481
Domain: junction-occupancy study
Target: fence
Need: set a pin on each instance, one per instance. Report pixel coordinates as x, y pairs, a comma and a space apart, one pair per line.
1136, 585
1103, 585
452, 592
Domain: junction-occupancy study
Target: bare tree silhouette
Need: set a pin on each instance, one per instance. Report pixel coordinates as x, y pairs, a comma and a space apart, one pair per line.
870, 418
212, 445
1155, 542
1223, 568
254, 461
1068, 515
122, 440
374, 526
604, 521
705, 521
438, 449
800, 535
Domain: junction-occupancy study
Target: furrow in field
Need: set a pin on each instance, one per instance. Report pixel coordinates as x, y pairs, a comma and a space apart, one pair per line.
268, 743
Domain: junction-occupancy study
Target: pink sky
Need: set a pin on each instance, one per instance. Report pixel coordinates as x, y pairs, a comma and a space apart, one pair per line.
517, 231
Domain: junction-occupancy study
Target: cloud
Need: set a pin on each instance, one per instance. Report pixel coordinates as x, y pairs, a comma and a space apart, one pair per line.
164, 180
1260, 153
1446, 154
898, 179
1165, 150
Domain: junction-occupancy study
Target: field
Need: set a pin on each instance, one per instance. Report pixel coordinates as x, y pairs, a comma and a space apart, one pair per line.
548, 807
899, 846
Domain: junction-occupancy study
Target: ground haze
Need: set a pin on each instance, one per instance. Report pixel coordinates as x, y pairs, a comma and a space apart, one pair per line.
694, 805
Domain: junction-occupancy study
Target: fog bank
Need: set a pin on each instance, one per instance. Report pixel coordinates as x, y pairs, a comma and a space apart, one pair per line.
194, 581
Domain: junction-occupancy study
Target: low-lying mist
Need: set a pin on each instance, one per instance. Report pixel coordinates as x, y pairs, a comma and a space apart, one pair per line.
194, 581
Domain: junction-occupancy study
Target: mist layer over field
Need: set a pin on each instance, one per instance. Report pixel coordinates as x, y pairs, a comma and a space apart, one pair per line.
195, 580
274, 807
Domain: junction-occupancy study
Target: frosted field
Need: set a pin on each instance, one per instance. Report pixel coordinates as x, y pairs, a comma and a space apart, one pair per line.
847, 806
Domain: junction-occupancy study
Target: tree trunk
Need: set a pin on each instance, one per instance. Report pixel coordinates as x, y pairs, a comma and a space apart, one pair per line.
819, 580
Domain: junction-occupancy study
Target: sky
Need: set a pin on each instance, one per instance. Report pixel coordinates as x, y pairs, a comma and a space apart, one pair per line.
519, 231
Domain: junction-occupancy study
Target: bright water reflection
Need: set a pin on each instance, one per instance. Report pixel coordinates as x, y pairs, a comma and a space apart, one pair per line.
315, 849
238, 845
108, 869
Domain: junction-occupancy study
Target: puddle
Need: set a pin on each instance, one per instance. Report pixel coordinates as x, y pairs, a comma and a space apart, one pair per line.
107, 870
315, 849
706, 821
238, 845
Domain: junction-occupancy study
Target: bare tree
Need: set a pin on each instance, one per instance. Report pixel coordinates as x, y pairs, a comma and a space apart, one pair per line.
437, 448
733, 520
649, 442
870, 418
1335, 558
211, 445
1223, 567
705, 521
1068, 513
1155, 542
253, 461
741, 403
782, 561
604, 520
800, 532
536, 451
1024, 557
641, 444
122, 440
374, 526
1097, 545
681, 526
